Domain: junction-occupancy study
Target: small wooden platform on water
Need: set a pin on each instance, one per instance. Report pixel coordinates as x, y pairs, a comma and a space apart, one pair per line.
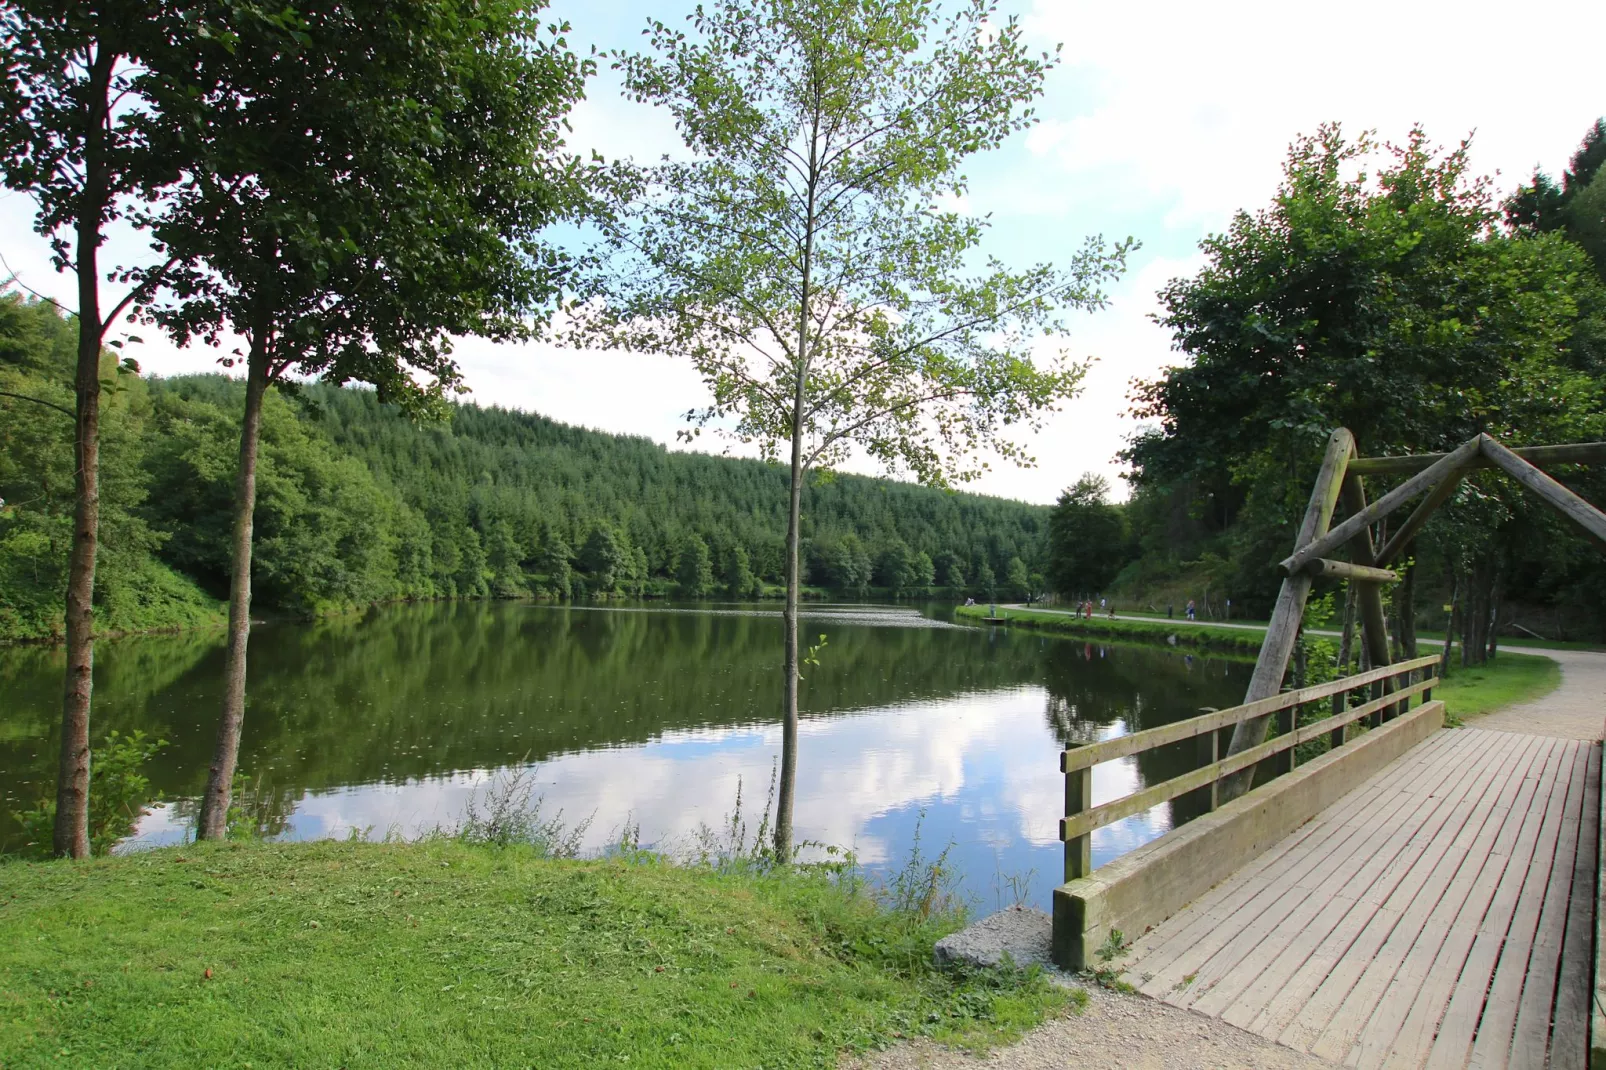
1440, 915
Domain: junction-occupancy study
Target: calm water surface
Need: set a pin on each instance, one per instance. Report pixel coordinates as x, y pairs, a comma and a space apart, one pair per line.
389, 722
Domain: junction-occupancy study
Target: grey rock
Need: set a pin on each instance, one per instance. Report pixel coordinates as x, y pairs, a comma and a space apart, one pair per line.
1021, 932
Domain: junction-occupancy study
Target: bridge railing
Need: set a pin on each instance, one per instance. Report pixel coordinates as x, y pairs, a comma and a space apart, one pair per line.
1391, 690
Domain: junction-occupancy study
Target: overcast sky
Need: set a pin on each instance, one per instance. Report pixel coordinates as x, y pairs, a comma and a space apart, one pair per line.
1162, 120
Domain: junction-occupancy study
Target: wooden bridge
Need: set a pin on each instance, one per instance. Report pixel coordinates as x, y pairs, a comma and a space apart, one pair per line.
1363, 885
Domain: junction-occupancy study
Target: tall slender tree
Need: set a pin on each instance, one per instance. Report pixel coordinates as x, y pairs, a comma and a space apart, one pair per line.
372, 176
74, 106
807, 259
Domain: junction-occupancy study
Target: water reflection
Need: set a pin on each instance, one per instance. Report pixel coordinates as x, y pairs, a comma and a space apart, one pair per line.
387, 723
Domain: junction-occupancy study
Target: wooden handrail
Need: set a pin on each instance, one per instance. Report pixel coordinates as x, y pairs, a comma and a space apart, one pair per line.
1085, 822
1124, 746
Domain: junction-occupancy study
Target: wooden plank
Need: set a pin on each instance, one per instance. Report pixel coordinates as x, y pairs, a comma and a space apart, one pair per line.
1320, 845
1553, 493
1402, 536
1362, 843
1510, 855
1491, 1047
1569, 1039
1149, 738
1323, 952
1266, 926
1401, 897
1452, 1046
1531, 1038
1346, 570
1084, 822
1288, 613
1343, 533
1372, 1014
1543, 456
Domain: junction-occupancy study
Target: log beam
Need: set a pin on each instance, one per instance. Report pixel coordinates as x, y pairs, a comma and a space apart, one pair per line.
1540, 456
1358, 521
1552, 493
1344, 570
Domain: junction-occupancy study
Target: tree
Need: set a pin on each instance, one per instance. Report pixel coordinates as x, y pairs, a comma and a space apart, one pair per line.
1385, 300
555, 563
894, 568
922, 570
503, 555
739, 579
986, 582
950, 569
79, 89
803, 258
373, 174
1018, 579
1576, 207
695, 569
603, 559
1086, 539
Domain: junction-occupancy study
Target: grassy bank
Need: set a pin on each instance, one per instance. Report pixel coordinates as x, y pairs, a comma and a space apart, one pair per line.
444, 954
1197, 636
1511, 678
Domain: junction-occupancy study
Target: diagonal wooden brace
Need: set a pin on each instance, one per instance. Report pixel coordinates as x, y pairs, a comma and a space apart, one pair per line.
1554, 494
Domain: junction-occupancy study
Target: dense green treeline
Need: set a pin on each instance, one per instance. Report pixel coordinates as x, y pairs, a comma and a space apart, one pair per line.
359, 504
1386, 289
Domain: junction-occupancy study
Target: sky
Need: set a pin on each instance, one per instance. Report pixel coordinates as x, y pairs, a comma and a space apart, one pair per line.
1160, 122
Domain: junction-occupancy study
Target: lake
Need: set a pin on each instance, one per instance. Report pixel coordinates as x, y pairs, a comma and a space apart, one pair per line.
389, 722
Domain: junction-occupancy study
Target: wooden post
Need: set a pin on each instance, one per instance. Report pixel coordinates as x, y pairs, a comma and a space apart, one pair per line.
1215, 756
1290, 718
1290, 609
1079, 849
1374, 627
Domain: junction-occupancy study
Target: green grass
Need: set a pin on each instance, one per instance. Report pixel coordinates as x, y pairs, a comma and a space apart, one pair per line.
445, 954
1200, 636
1509, 679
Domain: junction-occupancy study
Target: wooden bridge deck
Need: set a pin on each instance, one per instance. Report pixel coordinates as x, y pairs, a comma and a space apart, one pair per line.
1440, 915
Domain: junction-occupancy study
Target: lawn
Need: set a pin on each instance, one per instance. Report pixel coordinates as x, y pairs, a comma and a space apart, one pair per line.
1199, 636
1505, 681
445, 954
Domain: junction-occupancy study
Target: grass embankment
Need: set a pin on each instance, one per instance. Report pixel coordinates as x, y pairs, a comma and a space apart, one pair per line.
1509, 679
1200, 636
444, 954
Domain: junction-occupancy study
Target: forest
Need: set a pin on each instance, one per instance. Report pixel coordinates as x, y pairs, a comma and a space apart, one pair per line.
1390, 290
359, 503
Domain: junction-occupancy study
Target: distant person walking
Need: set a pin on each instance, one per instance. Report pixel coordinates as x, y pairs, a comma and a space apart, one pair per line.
1191, 611
1169, 607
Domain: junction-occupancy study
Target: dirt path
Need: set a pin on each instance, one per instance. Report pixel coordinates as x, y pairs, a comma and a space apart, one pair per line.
1575, 710
1114, 1032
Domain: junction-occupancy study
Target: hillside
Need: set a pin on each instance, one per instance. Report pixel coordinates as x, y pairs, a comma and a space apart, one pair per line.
357, 504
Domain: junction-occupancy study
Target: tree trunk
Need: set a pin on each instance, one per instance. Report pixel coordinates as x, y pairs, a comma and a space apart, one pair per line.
71, 832
213, 823
794, 515
1405, 599
1451, 624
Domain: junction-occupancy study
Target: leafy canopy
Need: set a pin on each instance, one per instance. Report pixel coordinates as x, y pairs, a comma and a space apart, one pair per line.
369, 182
806, 258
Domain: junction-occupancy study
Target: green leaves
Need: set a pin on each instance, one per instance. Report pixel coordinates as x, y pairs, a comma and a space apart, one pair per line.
801, 259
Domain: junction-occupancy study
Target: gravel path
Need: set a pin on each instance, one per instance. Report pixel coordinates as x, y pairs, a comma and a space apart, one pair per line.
1575, 710
1114, 1032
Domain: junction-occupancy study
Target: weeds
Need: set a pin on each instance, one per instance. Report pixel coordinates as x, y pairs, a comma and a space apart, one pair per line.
508, 812
119, 795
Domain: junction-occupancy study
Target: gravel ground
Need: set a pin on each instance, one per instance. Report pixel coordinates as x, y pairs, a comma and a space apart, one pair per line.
1575, 710
1114, 1032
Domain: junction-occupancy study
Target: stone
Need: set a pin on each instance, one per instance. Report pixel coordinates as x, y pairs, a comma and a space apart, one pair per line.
1021, 932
